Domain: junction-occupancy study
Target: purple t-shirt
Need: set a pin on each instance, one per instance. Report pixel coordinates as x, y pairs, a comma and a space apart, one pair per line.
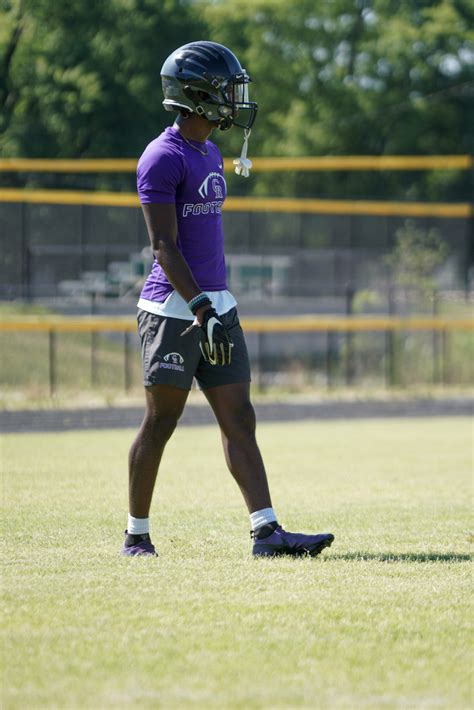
172, 172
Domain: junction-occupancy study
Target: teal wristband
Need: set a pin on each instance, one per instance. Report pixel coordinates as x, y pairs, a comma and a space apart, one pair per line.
198, 301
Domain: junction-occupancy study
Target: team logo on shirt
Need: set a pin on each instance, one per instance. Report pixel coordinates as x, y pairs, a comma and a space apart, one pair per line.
213, 183
214, 179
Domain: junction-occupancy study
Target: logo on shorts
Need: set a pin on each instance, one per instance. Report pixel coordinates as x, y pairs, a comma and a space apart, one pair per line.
173, 361
175, 358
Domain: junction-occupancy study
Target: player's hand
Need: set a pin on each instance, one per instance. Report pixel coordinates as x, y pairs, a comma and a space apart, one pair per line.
217, 346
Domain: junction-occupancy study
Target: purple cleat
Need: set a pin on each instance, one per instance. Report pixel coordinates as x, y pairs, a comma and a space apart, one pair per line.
280, 542
142, 545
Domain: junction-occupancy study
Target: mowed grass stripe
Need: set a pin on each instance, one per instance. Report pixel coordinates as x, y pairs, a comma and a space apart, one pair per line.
382, 619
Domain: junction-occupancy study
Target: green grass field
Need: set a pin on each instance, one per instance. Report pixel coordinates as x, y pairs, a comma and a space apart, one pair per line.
381, 620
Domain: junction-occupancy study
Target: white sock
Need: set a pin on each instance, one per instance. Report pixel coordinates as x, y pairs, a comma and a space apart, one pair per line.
262, 517
138, 526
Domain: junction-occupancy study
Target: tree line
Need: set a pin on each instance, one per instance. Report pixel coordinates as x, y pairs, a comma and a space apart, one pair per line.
339, 77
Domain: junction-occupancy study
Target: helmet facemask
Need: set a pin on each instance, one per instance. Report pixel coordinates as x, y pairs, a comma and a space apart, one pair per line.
225, 102
237, 106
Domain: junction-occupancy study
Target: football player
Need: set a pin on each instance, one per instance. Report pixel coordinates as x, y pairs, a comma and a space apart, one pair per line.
187, 319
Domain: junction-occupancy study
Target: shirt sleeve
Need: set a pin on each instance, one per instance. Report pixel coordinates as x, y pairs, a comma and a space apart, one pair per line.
158, 176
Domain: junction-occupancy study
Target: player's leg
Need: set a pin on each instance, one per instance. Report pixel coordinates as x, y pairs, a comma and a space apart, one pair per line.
228, 392
164, 406
236, 417
169, 364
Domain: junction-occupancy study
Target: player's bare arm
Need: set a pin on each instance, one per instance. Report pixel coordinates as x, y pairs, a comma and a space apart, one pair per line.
163, 231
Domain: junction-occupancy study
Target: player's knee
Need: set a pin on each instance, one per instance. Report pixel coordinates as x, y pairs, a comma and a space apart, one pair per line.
243, 422
161, 426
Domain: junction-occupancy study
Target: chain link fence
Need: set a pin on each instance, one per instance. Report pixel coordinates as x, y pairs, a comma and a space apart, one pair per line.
83, 259
52, 250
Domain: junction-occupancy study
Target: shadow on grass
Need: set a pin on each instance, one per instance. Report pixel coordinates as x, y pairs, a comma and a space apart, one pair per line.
403, 557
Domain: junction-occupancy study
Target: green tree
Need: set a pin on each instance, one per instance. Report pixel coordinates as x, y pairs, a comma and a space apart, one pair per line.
364, 77
82, 79
339, 77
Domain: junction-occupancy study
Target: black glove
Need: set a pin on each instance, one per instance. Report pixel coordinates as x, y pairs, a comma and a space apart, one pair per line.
217, 346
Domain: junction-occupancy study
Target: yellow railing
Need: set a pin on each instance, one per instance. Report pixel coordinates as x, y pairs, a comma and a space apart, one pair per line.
440, 328
316, 163
251, 204
300, 324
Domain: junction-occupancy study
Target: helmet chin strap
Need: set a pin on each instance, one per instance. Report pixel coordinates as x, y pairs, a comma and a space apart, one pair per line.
243, 164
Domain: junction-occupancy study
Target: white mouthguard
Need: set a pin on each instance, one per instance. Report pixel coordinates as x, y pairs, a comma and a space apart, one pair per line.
243, 164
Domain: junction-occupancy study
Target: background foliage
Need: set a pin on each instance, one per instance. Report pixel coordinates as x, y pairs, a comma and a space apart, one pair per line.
340, 77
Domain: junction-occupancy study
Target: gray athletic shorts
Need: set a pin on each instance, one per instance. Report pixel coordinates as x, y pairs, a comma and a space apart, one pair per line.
170, 358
